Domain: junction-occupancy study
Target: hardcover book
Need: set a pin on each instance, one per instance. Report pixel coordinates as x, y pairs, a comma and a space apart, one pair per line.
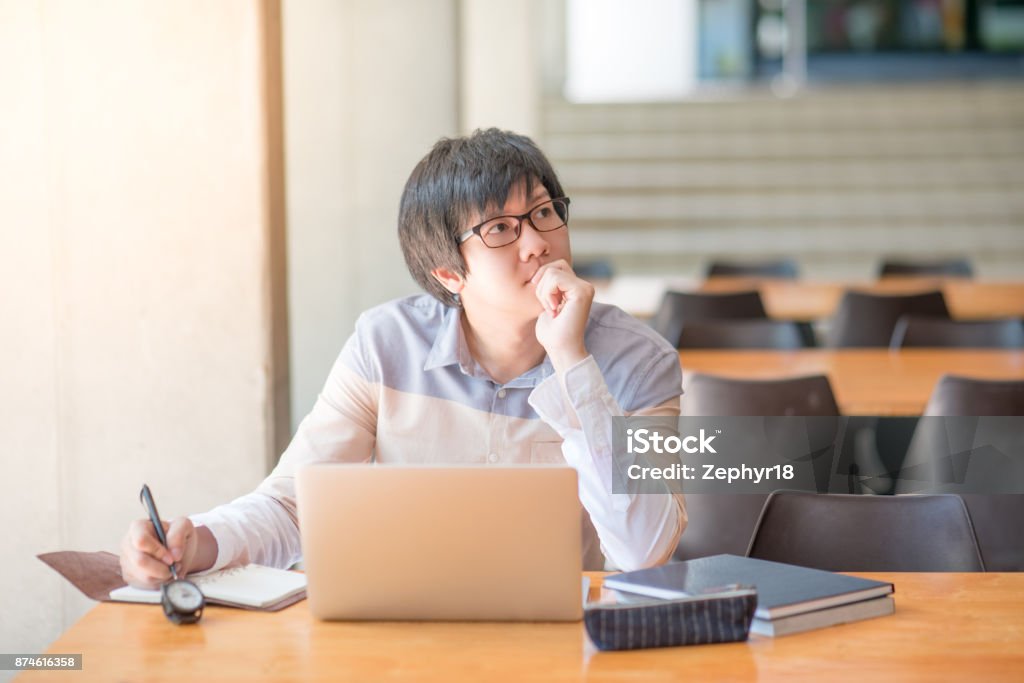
783, 590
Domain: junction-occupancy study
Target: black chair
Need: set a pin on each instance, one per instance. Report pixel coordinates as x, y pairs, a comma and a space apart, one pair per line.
745, 334
599, 269
723, 523
912, 330
955, 395
679, 307
785, 269
708, 395
839, 532
864, 319
959, 267
996, 516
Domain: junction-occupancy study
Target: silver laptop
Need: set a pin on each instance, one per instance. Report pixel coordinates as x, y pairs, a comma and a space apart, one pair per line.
401, 542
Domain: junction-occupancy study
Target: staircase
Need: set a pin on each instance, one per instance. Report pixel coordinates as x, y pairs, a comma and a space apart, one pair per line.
833, 177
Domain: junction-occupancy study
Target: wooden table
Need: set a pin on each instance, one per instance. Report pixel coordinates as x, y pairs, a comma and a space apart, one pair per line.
865, 381
946, 627
796, 300
808, 301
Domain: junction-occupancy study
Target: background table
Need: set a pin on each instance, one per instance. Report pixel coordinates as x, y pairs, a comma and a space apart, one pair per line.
946, 627
797, 300
808, 300
865, 381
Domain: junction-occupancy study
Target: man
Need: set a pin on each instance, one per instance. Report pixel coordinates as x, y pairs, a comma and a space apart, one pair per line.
505, 360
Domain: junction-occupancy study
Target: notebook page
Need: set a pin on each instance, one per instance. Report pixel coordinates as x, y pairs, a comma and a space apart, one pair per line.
252, 585
132, 594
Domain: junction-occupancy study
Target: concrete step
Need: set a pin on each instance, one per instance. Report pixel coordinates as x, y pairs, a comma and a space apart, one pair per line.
793, 240
835, 178
596, 209
698, 118
945, 106
792, 145
731, 175
820, 264
866, 94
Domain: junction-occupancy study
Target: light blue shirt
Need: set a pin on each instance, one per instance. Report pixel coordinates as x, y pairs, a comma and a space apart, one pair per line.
405, 389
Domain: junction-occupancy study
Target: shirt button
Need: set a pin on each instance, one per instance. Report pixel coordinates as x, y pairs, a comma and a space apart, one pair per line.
501, 393
493, 457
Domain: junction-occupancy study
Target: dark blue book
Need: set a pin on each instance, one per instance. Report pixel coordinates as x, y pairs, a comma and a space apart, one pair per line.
783, 590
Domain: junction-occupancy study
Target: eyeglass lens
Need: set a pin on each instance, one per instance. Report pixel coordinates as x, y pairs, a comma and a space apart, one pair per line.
505, 229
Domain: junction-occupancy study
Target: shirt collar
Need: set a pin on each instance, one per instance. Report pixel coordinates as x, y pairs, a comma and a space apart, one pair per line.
450, 348
447, 341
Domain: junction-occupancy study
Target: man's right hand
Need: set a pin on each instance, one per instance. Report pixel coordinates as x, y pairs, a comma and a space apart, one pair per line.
145, 563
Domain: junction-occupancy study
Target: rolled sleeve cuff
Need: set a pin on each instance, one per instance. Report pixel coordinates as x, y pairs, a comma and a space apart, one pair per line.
587, 438
583, 383
227, 545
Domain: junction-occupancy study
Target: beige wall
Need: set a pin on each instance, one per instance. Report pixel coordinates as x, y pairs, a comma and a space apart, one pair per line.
501, 49
369, 87
135, 277
29, 492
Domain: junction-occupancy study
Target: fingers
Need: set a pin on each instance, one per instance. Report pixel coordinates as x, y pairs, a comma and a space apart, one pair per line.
146, 570
143, 538
556, 284
546, 288
180, 537
144, 561
560, 264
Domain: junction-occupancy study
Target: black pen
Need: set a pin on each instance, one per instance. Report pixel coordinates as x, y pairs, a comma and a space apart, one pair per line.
147, 499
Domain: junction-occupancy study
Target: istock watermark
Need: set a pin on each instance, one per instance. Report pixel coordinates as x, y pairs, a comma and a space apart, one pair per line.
861, 454
644, 441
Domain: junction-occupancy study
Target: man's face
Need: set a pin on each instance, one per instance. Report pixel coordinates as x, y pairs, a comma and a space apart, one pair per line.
499, 279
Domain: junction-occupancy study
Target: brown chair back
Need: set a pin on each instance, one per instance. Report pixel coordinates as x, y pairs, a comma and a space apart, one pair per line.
709, 395
864, 319
678, 308
785, 269
954, 395
912, 330
839, 532
745, 334
996, 516
958, 267
723, 522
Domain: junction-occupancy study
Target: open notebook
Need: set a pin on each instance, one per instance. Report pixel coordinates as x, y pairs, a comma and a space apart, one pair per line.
253, 586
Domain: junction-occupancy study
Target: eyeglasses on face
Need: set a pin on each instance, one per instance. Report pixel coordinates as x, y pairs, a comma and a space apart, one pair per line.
501, 231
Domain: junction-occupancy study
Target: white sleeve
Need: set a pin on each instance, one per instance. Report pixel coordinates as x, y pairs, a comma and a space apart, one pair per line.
252, 529
636, 530
262, 527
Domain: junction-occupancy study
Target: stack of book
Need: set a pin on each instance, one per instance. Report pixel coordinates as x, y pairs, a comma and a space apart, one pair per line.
790, 599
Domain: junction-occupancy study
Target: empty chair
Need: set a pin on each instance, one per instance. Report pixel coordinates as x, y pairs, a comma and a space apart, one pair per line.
782, 269
708, 395
745, 334
598, 269
677, 307
955, 395
719, 523
996, 516
958, 267
864, 319
723, 522
912, 330
840, 532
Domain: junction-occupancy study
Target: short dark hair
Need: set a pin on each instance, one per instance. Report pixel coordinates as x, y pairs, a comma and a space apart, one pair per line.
458, 177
